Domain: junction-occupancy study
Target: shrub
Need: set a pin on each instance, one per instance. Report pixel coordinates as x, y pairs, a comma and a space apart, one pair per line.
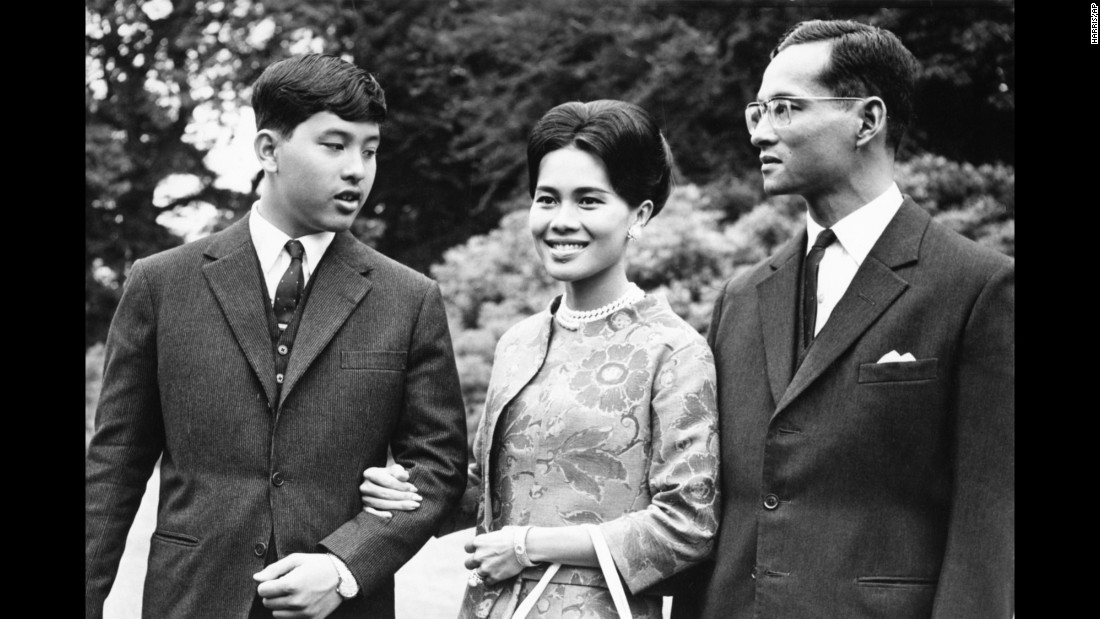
978, 202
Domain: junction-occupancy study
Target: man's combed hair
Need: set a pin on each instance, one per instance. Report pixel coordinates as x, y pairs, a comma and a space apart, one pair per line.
624, 136
865, 61
291, 90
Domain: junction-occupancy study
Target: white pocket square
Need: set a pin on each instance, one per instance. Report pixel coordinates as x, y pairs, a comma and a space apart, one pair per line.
894, 357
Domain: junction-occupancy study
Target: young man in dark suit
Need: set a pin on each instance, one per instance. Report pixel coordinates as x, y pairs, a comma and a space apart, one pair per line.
865, 371
266, 366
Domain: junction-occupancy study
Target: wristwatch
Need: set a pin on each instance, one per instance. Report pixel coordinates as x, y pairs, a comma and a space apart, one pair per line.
347, 587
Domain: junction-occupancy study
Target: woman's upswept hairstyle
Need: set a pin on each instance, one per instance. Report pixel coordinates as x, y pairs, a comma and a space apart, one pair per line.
624, 136
865, 61
291, 90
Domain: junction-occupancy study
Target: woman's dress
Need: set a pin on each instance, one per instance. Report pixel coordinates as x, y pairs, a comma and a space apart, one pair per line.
613, 424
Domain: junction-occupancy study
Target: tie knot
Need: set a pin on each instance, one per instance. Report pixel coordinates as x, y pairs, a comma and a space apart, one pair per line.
824, 239
295, 249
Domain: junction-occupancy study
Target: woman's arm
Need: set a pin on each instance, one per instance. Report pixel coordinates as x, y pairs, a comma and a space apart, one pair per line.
494, 554
677, 529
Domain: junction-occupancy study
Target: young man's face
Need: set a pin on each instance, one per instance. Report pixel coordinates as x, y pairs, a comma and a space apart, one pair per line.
814, 154
324, 173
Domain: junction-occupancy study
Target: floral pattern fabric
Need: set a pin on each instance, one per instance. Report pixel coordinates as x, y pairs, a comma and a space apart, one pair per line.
614, 424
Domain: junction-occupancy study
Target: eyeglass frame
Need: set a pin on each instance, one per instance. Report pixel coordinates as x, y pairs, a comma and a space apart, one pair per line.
768, 109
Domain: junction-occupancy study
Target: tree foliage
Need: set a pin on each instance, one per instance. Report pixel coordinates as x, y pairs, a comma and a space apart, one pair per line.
465, 81
685, 253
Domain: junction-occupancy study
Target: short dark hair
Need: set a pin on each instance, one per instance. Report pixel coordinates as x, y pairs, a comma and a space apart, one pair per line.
291, 90
865, 61
623, 135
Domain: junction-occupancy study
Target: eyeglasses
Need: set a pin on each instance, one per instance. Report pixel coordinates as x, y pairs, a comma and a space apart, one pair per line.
778, 109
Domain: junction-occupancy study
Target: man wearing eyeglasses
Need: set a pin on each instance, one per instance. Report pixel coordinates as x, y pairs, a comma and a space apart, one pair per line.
866, 370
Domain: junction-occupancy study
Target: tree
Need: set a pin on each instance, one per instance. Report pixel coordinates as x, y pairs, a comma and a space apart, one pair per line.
465, 82
149, 69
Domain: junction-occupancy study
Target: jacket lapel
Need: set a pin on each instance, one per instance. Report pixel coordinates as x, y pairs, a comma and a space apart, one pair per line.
234, 277
512, 370
777, 317
522, 364
874, 288
339, 284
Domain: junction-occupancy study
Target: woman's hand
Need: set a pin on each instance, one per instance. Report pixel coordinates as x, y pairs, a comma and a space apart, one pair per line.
492, 556
385, 489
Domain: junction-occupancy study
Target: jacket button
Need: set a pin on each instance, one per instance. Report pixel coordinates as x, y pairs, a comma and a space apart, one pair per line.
260, 549
771, 501
283, 349
277, 479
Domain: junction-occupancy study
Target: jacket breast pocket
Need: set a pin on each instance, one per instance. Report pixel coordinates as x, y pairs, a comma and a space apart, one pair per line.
393, 361
905, 371
896, 581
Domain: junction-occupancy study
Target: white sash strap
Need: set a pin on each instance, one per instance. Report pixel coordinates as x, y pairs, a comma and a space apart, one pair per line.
610, 574
529, 601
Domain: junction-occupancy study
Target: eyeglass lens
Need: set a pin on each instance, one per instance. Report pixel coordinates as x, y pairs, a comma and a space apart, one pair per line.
779, 111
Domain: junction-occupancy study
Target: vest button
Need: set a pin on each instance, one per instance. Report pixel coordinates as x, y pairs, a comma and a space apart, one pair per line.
283, 349
279, 378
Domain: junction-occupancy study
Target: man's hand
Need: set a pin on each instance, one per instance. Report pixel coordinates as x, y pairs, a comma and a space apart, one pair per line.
300, 586
386, 489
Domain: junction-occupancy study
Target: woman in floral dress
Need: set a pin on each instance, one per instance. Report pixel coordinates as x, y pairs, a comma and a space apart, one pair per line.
601, 408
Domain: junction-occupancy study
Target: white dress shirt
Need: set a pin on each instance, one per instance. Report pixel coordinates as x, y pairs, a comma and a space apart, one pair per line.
270, 249
856, 234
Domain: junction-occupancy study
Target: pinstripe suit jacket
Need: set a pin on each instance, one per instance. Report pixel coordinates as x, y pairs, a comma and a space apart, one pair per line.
858, 489
189, 378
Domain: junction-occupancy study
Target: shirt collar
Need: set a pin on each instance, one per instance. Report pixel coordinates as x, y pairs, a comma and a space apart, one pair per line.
859, 230
269, 241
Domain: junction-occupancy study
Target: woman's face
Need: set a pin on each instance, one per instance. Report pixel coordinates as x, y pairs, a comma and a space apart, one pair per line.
578, 221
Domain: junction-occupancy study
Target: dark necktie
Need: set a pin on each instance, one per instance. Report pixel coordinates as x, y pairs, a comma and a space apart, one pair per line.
289, 290
809, 284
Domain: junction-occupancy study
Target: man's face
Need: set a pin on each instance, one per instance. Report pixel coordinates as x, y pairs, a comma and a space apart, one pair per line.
813, 156
325, 171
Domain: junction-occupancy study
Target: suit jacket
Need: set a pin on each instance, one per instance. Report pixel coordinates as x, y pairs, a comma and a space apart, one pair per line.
189, 377
858, 489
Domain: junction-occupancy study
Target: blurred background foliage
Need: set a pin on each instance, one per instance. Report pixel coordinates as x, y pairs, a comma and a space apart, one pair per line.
465, 80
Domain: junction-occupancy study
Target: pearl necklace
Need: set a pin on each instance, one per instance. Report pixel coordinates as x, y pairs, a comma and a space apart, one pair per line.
572, 320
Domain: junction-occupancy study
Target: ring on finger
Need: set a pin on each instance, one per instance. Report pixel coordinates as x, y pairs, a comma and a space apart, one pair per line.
475, 579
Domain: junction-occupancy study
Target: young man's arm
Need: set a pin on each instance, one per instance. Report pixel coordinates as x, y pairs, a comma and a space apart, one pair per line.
128, 440
430, 442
